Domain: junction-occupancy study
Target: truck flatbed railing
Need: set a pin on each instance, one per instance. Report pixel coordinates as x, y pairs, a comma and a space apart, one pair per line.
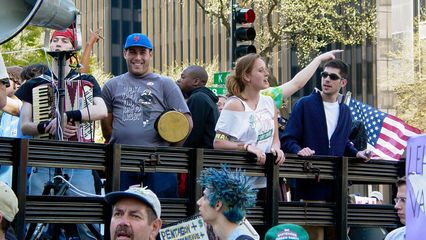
111, 159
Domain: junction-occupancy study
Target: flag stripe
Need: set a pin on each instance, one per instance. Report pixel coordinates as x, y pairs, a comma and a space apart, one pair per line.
389, 146
394, 142
393, 133
401, 127
385, 153
414, 130
395, 127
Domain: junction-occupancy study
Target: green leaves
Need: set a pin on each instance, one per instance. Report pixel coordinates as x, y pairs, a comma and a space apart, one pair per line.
14, 51
307, 25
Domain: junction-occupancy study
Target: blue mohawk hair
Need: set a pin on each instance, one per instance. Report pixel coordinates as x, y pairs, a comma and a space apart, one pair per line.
231, 188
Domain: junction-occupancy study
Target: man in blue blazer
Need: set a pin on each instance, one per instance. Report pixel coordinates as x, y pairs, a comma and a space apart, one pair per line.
320, 125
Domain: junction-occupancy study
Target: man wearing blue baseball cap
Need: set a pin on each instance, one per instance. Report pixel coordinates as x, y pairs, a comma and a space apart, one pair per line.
136, 214
135, 100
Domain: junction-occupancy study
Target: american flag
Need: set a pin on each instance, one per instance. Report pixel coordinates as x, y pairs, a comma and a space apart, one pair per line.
387, 134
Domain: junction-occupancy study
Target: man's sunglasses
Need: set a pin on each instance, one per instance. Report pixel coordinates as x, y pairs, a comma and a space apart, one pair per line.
332, 76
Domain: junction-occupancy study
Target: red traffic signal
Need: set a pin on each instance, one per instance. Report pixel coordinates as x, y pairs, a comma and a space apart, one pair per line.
245, 16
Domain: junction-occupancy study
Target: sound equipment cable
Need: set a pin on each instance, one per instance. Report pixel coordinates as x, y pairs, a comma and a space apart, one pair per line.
75, 189
92, 131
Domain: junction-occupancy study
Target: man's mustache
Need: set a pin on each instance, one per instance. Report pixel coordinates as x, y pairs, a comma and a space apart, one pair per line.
123, 230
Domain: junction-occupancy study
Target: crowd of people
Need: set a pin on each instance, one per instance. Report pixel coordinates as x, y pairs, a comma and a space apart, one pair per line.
130, 105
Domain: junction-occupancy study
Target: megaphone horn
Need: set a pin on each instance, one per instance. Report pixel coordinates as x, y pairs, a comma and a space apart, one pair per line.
16, 15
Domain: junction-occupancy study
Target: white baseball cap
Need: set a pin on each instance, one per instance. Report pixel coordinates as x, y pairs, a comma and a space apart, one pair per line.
8, 202
142, 194
376, 194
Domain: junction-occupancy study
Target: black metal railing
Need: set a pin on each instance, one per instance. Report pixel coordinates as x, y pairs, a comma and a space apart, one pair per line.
111, 159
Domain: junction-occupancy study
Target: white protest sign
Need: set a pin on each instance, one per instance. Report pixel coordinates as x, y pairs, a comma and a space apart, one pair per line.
188, 229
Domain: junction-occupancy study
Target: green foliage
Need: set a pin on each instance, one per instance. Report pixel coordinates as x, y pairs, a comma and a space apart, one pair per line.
15, 51
307, 25
411, 103
97, 70
411, 100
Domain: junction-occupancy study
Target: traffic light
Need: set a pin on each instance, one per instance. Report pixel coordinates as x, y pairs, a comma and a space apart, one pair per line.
243, 33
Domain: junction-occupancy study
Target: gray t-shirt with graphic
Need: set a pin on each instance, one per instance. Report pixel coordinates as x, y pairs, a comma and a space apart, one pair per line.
135, 104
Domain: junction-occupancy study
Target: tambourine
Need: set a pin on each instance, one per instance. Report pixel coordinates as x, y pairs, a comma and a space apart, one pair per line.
172, 126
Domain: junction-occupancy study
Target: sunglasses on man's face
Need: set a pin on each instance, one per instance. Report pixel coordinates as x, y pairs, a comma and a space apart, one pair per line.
332, 76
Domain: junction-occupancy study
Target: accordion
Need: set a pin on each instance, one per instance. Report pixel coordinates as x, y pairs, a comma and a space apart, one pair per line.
78, 95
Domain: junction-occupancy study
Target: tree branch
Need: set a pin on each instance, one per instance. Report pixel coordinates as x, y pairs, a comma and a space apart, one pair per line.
203, 7
275, 37
222, 15
224, 19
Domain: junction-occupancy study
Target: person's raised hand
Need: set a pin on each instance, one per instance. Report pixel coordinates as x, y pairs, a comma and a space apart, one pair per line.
330, 55
95, 35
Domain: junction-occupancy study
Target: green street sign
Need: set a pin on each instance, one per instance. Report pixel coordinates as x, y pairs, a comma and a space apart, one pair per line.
220, 78
218, 90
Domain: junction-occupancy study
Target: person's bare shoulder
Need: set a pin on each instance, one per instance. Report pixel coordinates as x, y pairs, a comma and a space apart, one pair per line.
234, 104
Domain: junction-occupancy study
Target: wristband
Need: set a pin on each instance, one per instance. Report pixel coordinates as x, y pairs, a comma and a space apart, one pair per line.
41, 126
74, 115
246, 146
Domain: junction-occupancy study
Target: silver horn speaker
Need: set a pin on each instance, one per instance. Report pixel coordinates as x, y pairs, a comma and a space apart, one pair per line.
17, 14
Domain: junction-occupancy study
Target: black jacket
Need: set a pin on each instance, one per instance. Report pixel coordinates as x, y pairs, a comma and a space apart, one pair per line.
204, 112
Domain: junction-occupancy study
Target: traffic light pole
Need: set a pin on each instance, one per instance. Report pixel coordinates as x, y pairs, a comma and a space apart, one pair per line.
233, 42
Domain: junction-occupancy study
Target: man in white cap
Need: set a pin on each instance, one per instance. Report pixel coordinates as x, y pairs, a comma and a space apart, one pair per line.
378, 196
136, 214
8, 210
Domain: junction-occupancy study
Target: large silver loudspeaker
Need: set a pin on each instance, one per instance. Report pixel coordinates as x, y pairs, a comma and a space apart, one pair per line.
17, 14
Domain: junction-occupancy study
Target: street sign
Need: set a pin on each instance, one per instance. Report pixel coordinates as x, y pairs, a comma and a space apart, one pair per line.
218, 90
220, 78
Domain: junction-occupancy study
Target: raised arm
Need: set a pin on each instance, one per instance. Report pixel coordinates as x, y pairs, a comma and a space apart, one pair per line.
85, 58
302, 77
